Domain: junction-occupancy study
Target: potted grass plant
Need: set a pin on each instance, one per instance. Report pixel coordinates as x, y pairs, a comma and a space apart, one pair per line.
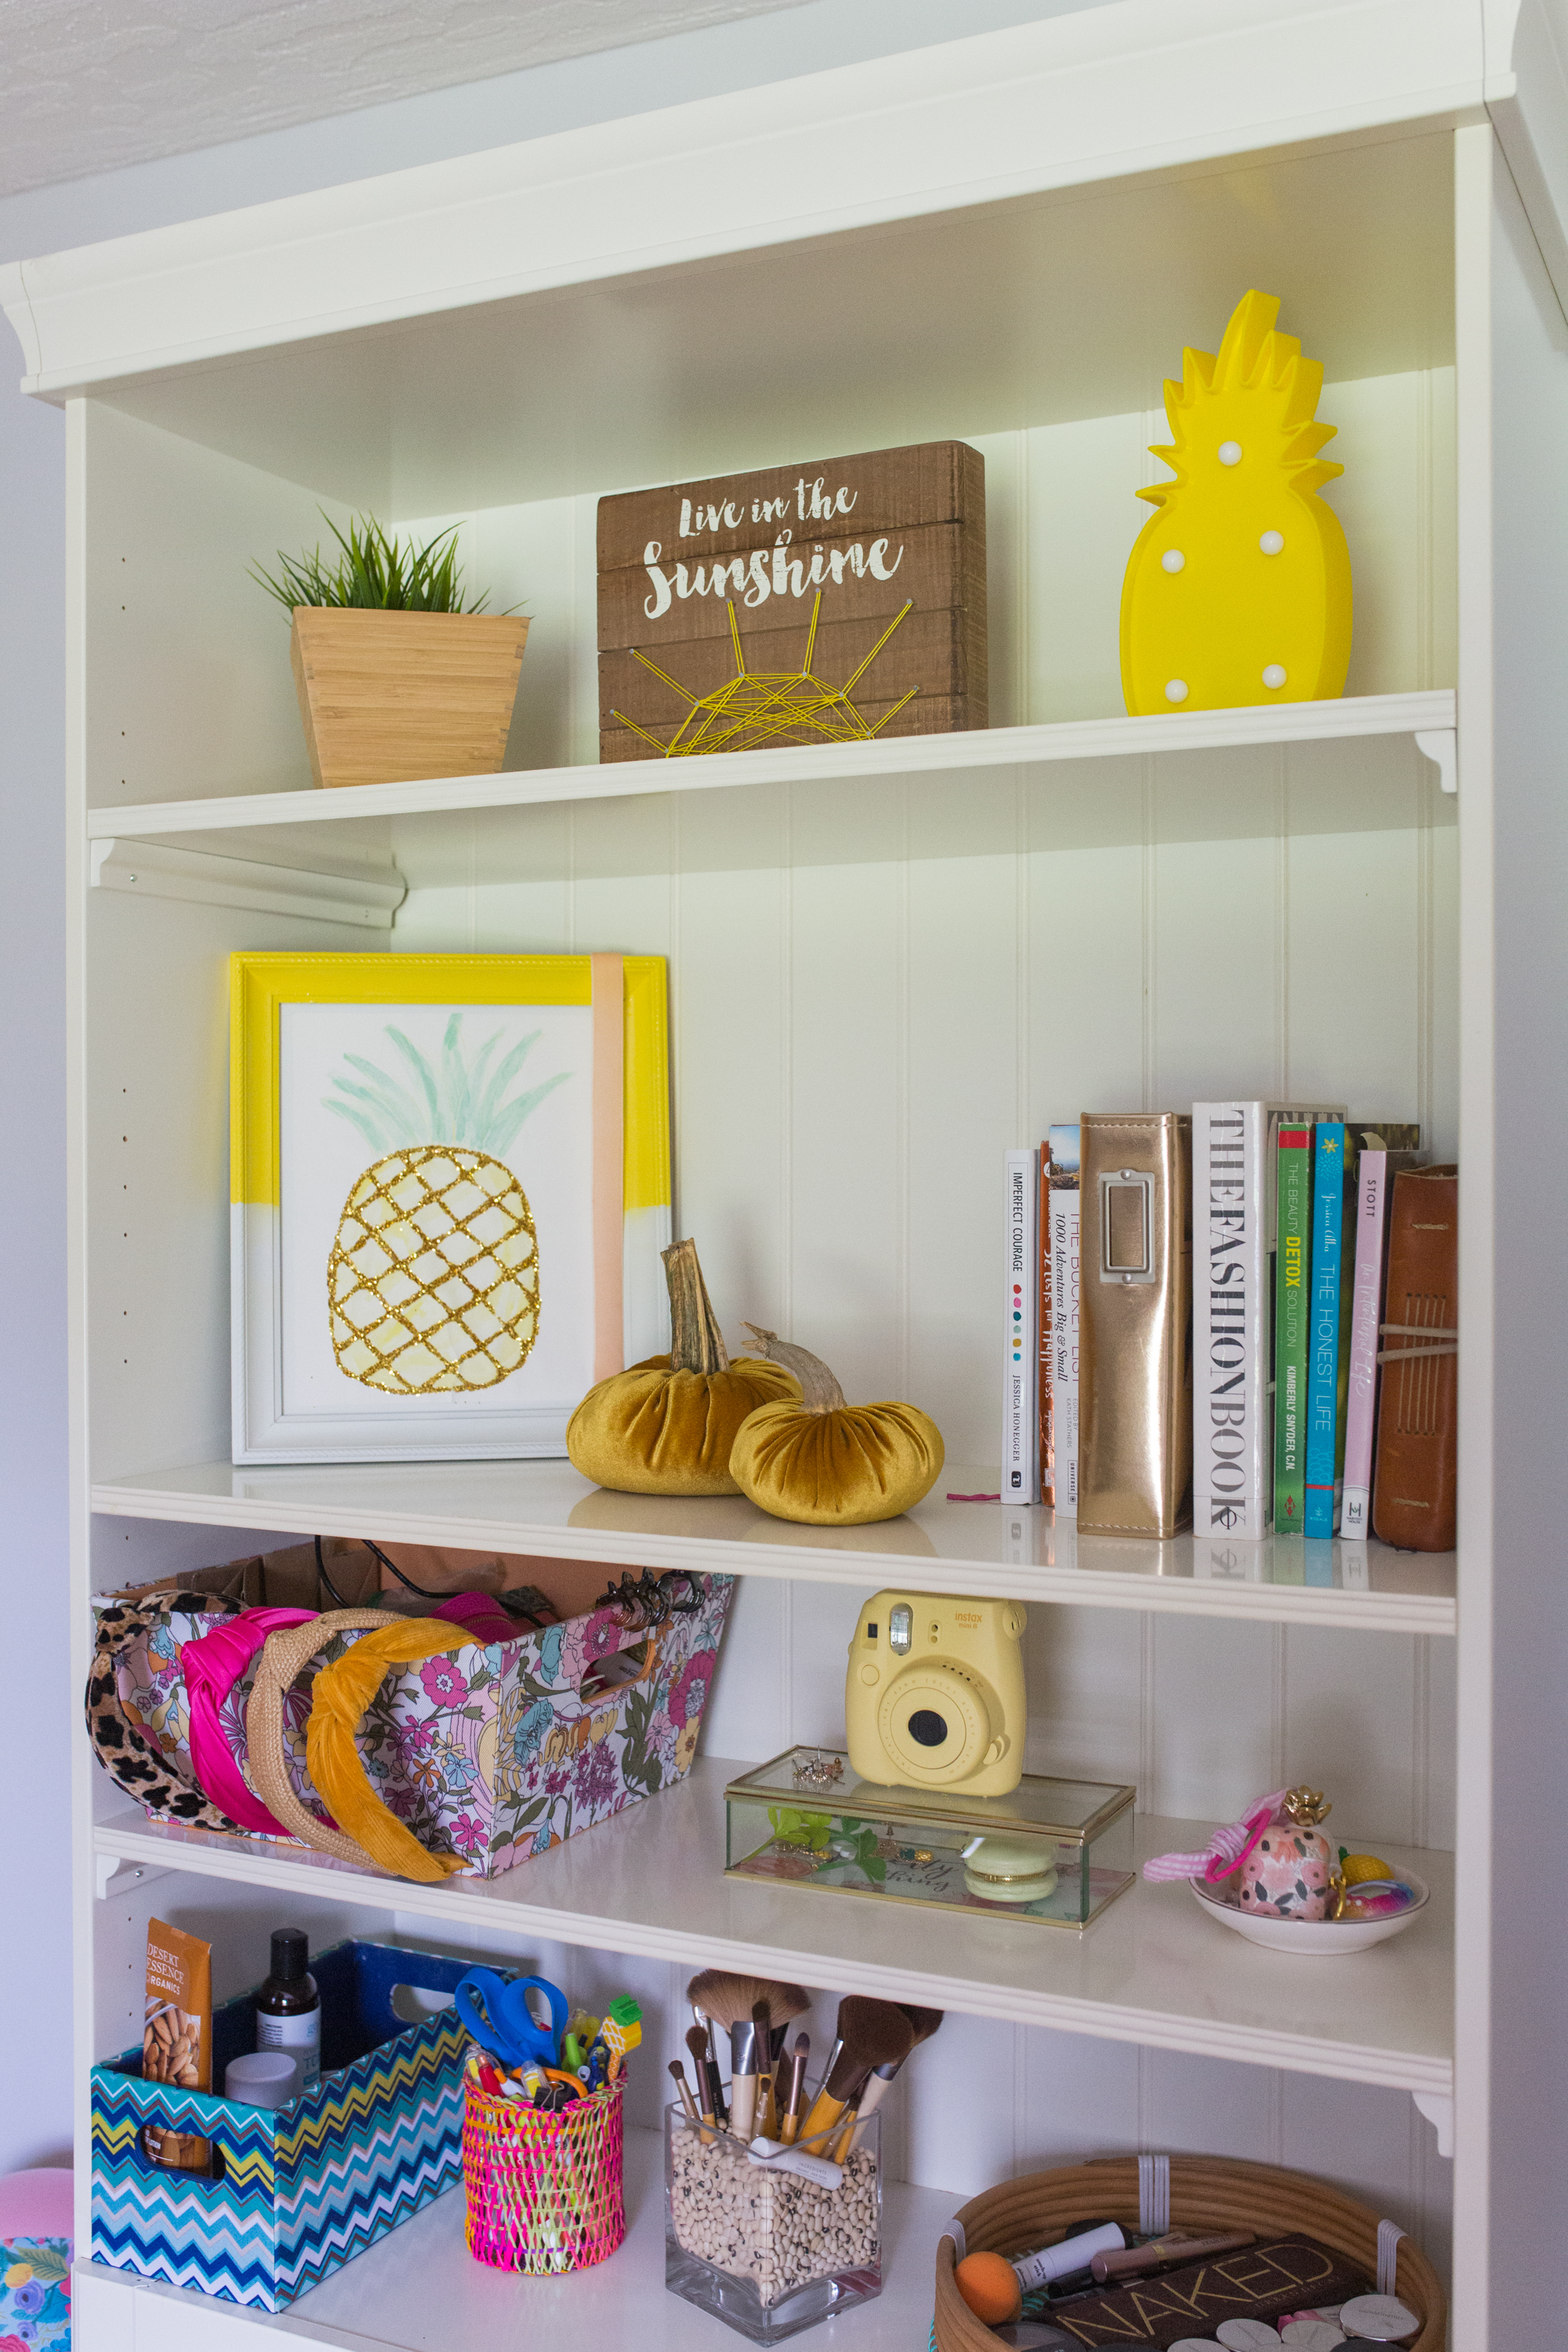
397, 676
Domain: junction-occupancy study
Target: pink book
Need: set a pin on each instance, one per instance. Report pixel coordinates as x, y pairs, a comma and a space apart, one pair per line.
1361, 1409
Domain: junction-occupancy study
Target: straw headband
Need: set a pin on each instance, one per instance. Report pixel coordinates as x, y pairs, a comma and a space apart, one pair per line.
343, 1691
131, 1758
285, 1656
211, 1667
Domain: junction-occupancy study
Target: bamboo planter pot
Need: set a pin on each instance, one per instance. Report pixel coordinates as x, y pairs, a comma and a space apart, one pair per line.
388, 697
1207, 2194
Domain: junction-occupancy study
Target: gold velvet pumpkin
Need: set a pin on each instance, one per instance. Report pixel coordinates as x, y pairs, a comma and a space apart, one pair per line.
828, 1463
666, 1426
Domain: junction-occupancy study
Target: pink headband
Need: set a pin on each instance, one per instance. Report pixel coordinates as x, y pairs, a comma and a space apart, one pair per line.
1224, 1851
210, 1668
482, 1617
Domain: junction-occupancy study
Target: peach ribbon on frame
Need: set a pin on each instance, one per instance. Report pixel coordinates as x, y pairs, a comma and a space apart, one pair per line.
609, 1163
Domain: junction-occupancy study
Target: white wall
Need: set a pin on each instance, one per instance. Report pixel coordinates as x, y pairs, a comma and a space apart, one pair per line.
38, 1709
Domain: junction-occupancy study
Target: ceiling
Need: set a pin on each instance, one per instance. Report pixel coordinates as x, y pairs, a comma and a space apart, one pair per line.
89, 85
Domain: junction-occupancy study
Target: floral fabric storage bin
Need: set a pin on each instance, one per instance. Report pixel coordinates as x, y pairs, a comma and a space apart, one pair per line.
498, 1751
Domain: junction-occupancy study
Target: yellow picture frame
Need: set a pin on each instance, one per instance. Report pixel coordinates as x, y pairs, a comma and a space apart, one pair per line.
294, 1403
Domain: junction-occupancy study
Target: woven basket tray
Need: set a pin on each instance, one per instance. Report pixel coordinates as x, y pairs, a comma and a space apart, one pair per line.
1207, 2192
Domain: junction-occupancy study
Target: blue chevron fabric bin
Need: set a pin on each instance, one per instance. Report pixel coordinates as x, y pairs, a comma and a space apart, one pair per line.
299, 2191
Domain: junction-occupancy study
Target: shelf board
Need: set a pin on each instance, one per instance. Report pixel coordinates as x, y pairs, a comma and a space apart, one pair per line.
421, 2289
1151, 1969
545, 1510
904, 755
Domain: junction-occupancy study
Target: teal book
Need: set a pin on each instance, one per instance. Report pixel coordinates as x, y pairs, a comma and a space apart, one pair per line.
1323, 1453
1292, 1266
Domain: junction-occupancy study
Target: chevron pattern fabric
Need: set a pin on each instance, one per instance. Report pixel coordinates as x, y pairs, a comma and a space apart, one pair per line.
304, 2189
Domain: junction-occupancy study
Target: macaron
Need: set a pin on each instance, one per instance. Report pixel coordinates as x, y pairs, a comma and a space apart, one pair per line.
989, 2285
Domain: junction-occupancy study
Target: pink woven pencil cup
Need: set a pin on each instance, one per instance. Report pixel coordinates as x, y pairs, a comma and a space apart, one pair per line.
546, 2193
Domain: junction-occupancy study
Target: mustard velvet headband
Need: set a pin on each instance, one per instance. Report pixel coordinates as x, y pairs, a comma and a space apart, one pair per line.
283, 1659
132, 1759
341, 1692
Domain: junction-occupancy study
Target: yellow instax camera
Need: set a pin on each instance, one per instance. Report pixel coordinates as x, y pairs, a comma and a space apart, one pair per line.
935, 1694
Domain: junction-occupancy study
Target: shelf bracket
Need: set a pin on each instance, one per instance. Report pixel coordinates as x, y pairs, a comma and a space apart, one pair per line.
1439, 745
331, 890
112, 1874
1438, 2106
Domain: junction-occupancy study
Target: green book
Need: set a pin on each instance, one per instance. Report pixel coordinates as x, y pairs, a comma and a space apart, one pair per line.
1293, 1301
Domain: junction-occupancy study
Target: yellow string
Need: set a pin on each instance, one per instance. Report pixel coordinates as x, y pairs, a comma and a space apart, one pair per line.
754, 706
338, 1698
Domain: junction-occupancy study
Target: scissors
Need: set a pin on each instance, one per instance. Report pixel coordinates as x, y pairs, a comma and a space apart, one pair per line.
496, 2012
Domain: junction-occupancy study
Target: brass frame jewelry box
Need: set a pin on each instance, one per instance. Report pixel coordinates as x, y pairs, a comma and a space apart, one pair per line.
1053, 1853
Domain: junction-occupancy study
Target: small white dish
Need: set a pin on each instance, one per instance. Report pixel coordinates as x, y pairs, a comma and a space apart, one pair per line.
1323, 1938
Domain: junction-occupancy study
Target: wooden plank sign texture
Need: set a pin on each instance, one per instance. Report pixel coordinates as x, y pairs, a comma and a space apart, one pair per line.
822, 603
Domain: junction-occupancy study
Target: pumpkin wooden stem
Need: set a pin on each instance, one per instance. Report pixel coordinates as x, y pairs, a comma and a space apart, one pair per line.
697, 1344
820, 1393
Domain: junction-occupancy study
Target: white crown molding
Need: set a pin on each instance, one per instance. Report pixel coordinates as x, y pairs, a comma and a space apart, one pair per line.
1137, 85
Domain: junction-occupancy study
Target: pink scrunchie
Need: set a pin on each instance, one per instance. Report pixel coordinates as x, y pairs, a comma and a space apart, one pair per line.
211, 1667
1225, 1852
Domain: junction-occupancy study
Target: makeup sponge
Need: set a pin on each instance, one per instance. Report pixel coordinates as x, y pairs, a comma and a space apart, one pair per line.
989, 2285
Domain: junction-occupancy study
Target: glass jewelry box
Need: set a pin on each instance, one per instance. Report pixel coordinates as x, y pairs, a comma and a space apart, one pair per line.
1053, 1853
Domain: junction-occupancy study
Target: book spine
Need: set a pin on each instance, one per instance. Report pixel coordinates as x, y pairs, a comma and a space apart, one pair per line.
1043, 1401
1323, 1349
1020, 1423
1231, 1488
1066, 1287
1294, 1164
1360, 1410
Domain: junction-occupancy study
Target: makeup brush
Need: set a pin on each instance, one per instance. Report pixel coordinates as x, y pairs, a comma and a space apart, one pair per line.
925, 2022
761, 2020
793, 2099
733, 2003
697, 2042
870, 2033
677, 2072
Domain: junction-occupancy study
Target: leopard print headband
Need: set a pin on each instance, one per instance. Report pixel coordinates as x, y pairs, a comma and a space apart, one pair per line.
129, 1755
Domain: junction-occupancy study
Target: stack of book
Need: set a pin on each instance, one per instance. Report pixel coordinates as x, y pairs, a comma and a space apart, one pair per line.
1255, 1327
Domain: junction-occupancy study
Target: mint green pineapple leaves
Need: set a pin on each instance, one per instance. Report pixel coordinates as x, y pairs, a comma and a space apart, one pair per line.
456, 1098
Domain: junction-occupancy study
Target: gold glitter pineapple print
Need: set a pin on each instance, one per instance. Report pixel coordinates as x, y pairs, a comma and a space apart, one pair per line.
433, 1279
1238, 590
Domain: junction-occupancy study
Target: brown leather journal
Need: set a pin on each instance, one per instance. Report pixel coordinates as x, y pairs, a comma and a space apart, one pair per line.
1416, 1463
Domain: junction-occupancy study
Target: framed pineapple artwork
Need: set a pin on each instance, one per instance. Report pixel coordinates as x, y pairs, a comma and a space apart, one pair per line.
450, 1187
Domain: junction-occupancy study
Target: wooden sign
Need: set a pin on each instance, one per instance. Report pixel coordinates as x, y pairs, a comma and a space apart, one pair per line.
827, 602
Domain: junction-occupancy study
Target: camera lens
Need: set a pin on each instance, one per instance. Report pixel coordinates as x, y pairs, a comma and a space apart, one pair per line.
929, 1728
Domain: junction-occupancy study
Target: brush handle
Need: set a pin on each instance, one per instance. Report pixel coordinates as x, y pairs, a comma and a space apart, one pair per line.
677, 2072
840, 2151
795, 2098
826, 2111
871, 2097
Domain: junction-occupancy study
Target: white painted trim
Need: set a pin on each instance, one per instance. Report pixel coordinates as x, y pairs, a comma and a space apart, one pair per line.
1527, 98
545, 1510
365, 896
655, 1911
904, 755
1134, 86
1474, 168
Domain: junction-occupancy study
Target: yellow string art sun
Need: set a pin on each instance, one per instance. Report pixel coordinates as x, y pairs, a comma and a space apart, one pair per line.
758, 707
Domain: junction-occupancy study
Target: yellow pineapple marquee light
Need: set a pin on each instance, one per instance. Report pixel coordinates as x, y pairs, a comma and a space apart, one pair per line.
1238, 590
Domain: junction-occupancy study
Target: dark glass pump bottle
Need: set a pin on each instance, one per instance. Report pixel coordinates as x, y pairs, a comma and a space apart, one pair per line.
289, 2006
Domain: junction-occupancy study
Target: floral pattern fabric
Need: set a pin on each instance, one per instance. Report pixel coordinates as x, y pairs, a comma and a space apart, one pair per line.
35, 2294
495, 1752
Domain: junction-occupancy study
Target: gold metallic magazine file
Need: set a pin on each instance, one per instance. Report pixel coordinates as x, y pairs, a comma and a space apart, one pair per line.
1135, 1362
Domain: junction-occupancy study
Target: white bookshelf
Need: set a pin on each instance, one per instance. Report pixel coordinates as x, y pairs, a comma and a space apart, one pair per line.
420, 2287
547, 1510
1151, 1970
886, 964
